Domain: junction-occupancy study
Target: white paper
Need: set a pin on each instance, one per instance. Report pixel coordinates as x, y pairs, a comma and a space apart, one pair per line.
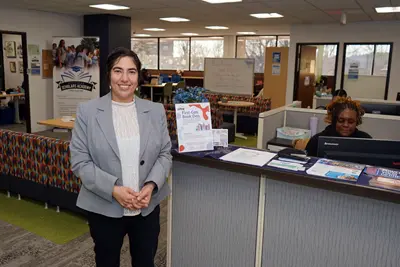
249, 156
220, 137
286, 165
276, 69
194, 127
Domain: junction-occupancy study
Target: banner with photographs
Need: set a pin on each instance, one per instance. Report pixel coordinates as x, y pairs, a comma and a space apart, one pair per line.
76, 75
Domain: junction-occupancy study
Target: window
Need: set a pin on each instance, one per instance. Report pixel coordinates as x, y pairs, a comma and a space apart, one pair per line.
366, 69
147, 51
202, 47
174, 53
329, 54
254, 47
283, 41
362, 56
381, 62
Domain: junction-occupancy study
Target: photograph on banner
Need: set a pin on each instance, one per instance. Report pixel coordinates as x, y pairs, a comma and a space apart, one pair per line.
76, 73
194, 127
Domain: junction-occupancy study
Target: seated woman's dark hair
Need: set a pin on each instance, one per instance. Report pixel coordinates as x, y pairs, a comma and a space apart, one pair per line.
121, 52
339, 105
340, 93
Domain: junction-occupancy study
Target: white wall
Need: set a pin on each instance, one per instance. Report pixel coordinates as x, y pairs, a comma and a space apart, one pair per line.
12, 79
356, 32
366, 86
40, 28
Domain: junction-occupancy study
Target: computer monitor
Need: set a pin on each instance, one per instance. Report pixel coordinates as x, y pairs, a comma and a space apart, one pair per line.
383, 153
381, 108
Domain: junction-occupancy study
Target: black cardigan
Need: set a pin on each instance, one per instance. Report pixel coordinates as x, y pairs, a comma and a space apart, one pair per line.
312, 145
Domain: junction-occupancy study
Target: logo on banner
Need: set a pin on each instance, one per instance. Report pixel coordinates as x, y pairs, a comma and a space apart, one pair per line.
76, 79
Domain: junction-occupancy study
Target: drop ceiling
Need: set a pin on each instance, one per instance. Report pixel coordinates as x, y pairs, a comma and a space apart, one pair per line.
236, 16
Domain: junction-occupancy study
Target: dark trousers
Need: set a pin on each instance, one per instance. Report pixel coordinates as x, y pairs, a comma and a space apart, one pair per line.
108, 236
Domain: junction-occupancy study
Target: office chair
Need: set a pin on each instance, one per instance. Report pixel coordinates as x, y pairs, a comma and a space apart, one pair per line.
181, 85
165, 78
168, 88
175, 78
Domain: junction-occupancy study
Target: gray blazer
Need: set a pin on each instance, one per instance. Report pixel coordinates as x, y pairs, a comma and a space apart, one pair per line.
95, 155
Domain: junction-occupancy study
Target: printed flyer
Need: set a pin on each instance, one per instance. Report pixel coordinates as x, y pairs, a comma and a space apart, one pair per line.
337, 170
383, 178
194, 127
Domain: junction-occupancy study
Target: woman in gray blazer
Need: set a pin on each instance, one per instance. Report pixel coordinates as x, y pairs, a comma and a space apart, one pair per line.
120, 149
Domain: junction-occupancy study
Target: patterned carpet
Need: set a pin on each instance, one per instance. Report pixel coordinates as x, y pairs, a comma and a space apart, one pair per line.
19, 247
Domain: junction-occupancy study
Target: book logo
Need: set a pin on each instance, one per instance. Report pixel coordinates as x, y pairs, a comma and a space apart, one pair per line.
76, 78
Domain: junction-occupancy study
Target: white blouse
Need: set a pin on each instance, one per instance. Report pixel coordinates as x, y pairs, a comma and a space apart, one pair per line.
126, 129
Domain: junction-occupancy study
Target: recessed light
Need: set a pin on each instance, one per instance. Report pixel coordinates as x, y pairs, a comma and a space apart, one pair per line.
110, 7
175, 19
216, 27
245, 33
189, 34
221, 1
266, 15
388, 9
154, 29
141, 35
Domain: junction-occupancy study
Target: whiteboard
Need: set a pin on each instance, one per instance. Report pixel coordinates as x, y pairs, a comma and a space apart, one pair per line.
229, 75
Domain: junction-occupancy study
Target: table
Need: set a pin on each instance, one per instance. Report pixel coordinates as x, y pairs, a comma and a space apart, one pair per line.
236, 105
58, 123
156, 86
16, 105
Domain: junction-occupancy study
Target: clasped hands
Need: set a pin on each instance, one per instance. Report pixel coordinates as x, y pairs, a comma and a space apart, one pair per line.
132, 200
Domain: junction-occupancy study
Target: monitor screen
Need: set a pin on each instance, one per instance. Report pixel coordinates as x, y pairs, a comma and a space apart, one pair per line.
380, 108
383, 153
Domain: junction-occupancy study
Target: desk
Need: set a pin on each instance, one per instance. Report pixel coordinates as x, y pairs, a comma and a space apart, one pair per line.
236, 105
16, 105
156, 86
58, 123
225, 214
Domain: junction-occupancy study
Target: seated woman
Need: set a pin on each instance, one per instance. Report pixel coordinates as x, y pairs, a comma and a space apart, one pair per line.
344, 115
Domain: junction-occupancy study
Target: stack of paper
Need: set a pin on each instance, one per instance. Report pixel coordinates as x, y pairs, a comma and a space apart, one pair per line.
249, 156
336, 170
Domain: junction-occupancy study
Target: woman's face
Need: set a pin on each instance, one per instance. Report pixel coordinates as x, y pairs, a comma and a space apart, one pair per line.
347, 122
124, 79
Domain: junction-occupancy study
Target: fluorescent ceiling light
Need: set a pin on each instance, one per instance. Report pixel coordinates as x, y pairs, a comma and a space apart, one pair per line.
388, 9
154, 29
175, 19
217, 27
266, 15
109, 7
189, 34
221, 1
141, 35
246, 33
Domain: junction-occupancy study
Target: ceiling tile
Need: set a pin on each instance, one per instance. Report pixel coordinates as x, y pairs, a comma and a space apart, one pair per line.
337, 4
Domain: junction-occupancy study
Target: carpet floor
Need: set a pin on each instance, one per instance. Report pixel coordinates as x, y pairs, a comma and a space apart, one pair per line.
20, 247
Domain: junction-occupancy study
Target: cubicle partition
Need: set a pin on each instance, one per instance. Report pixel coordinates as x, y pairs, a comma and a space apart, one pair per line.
228, 214
378, 126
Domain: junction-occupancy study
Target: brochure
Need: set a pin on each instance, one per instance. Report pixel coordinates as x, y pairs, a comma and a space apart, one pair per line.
383, 178
337, 170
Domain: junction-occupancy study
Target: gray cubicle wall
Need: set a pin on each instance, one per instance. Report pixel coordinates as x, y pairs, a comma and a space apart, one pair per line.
311, 227
378, 126
267, 125
214, 217
300, 119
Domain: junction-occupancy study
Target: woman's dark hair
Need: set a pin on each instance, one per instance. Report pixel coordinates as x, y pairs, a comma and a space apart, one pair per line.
59, 44
340, 93
338, 106
119, 53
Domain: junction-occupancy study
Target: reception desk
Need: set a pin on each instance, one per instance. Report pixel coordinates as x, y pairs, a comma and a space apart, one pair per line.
227, 214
